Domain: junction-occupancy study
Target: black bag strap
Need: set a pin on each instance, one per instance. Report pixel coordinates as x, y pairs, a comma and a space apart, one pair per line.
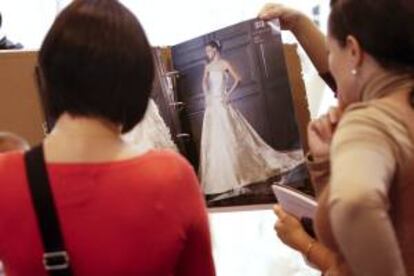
55, 257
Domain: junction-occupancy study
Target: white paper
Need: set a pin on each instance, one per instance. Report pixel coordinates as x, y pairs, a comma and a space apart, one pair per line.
295, 202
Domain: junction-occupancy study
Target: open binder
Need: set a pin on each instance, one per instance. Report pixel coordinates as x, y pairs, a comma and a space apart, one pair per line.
271, 96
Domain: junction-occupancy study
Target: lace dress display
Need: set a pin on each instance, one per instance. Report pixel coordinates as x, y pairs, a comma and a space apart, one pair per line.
232, 153
151, 132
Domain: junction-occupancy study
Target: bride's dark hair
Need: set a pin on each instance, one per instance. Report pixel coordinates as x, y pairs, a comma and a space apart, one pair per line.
215, 44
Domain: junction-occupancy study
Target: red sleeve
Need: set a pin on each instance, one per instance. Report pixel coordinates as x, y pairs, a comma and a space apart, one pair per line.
196, 257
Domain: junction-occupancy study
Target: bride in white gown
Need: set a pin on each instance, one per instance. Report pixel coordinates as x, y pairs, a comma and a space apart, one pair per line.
232, 153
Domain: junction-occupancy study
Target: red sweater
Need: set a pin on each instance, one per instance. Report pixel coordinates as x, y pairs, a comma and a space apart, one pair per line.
143, 216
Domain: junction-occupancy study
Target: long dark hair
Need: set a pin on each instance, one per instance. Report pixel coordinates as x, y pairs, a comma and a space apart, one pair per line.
216, 44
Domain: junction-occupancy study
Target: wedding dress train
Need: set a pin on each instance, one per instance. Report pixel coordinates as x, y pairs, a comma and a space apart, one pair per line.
232, 153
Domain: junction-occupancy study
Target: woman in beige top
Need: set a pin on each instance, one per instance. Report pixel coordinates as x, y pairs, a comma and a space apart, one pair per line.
362, 168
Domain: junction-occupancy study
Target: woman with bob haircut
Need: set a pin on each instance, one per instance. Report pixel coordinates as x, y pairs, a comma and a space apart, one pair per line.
361, 154
120, 212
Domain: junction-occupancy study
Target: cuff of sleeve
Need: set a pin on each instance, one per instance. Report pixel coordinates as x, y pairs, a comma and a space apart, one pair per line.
317, 165
319, 171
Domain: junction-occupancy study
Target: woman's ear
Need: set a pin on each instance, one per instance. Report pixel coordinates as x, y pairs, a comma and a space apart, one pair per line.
356, 54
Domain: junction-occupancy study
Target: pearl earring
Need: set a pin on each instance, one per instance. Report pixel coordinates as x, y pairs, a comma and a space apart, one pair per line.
354, 72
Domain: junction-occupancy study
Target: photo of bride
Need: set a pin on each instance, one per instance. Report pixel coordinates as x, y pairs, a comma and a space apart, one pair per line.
232, 154
238, 114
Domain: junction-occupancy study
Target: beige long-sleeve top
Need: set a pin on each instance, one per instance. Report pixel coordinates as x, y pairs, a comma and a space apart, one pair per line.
354, 219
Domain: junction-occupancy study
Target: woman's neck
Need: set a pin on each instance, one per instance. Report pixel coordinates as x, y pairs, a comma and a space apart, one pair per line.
374, 81
85, 128
385, 83
82, 139
215, 59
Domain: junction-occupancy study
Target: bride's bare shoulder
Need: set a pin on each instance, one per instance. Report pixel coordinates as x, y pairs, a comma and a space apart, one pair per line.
220, 65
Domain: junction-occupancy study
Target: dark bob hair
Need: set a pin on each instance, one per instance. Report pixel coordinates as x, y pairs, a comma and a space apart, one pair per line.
384, 29
96, 61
